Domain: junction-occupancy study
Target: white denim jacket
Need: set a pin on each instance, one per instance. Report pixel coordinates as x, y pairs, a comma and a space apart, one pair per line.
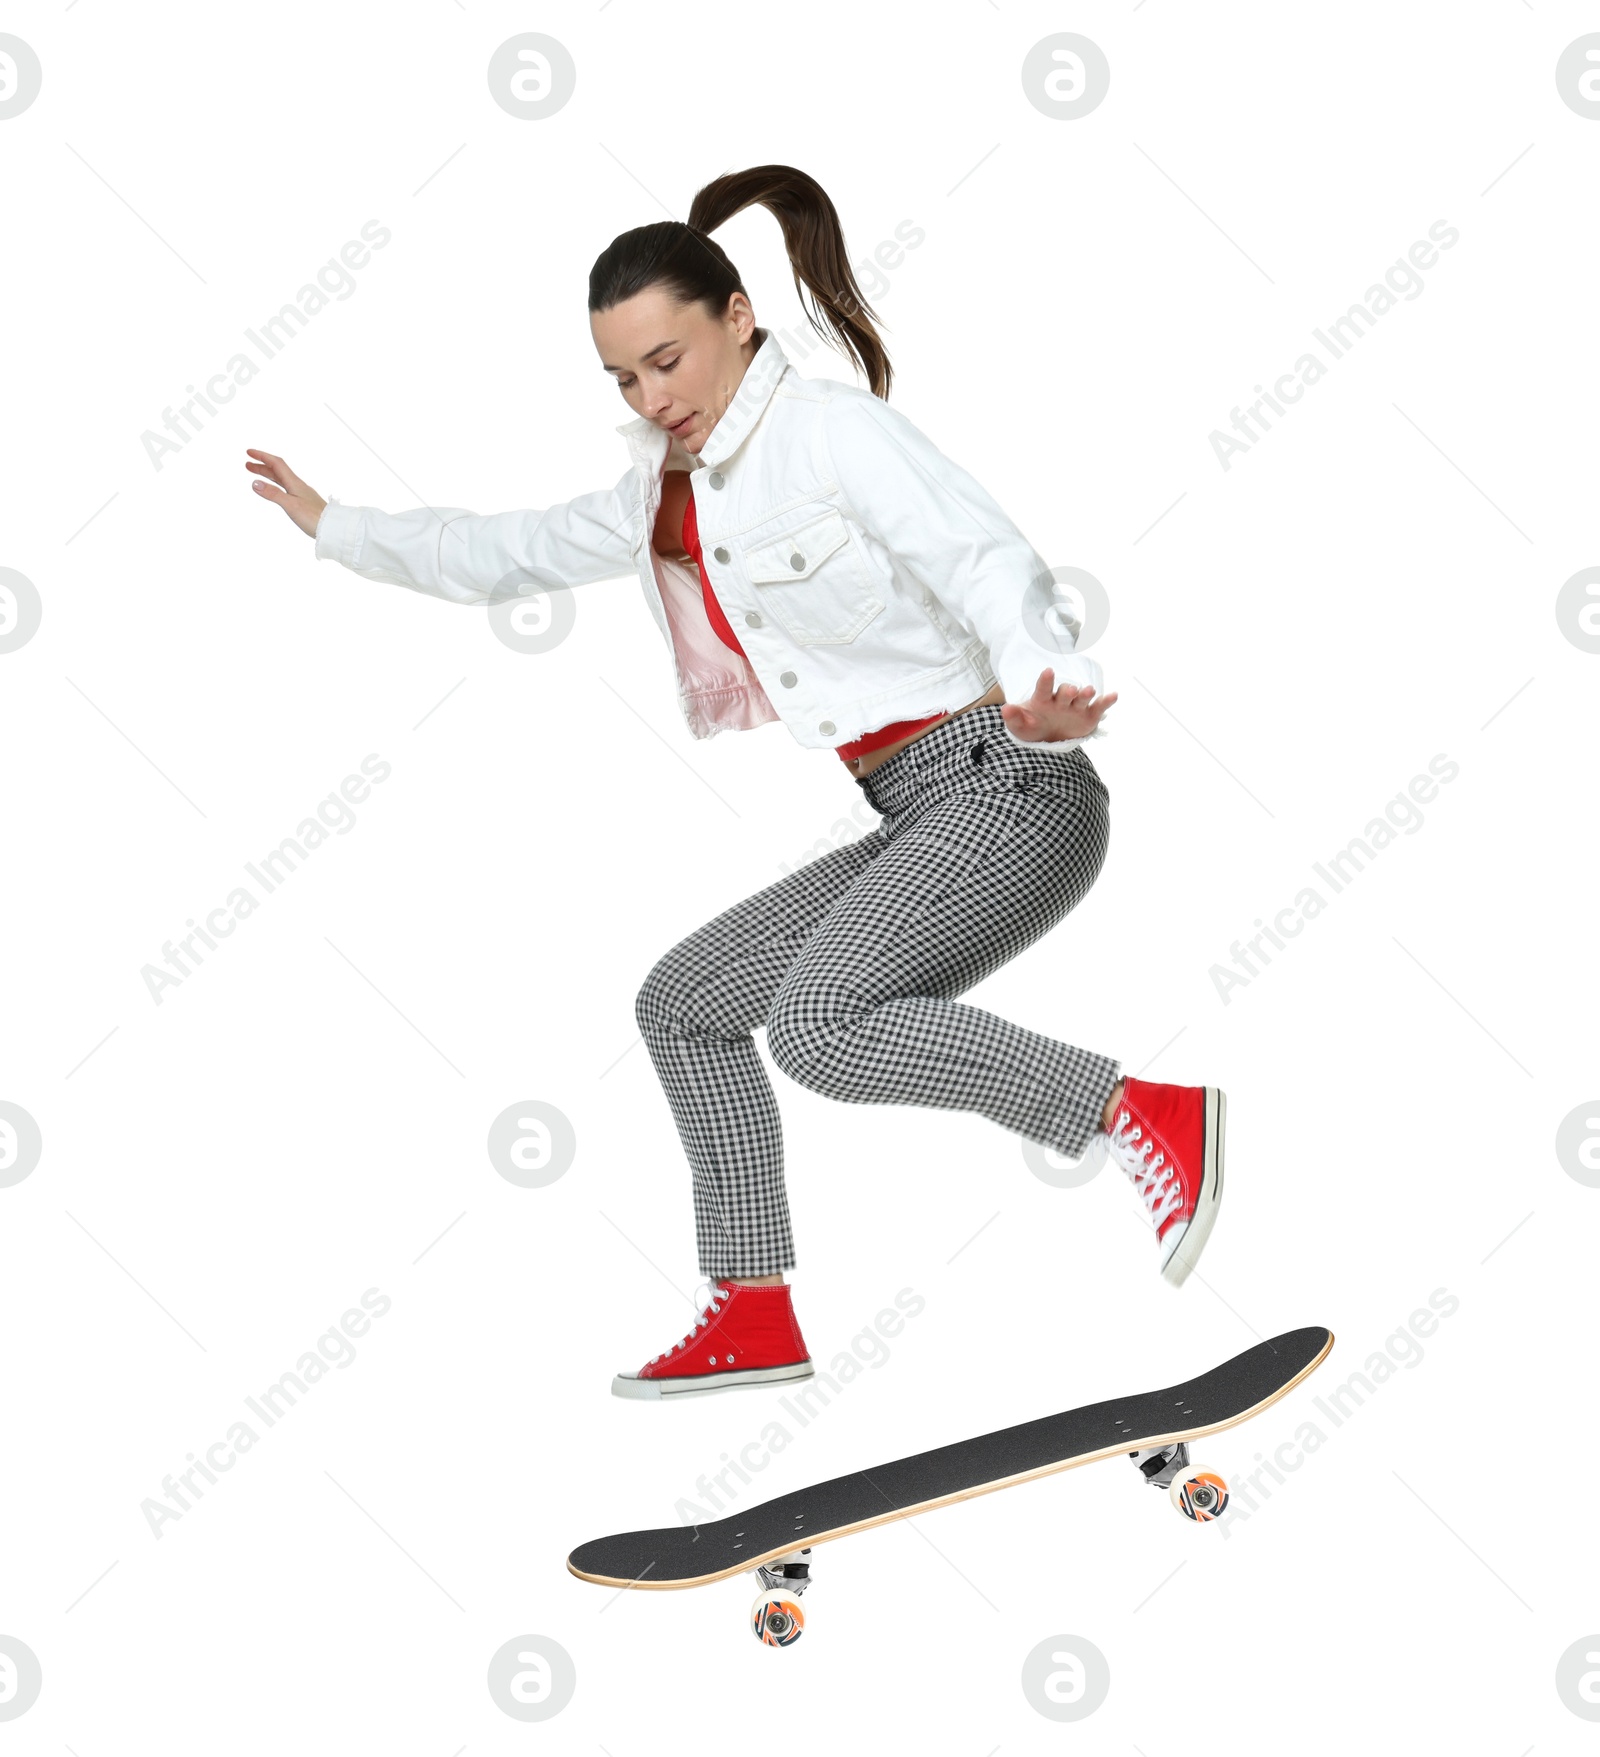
868, 577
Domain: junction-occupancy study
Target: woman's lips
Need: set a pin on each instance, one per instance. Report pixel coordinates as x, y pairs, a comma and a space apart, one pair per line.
679, 426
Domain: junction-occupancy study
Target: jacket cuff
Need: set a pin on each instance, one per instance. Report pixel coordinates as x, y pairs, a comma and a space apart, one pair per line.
338, 534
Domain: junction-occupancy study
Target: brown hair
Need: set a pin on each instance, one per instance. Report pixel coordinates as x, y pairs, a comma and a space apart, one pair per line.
692, 265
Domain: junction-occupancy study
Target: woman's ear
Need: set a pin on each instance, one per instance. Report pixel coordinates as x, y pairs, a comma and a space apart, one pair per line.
745, 328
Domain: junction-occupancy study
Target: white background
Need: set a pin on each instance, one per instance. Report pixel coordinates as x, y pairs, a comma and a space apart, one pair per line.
1293, 639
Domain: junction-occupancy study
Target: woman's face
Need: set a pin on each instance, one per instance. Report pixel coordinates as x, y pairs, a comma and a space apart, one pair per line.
675, 365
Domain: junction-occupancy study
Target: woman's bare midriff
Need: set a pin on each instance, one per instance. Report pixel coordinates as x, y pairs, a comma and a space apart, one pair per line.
668, 540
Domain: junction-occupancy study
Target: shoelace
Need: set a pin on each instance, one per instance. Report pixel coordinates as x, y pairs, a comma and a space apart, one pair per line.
711, 1307
1155, 1180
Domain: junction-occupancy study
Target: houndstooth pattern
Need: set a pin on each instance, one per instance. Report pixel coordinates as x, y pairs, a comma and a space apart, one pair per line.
851, 963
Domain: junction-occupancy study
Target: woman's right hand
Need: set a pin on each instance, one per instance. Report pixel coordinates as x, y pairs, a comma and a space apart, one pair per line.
284, 488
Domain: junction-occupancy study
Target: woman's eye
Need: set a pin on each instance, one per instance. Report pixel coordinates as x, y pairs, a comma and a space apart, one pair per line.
665, 366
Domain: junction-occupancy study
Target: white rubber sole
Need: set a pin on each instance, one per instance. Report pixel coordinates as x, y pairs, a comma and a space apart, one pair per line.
1186, 1253
702, 1385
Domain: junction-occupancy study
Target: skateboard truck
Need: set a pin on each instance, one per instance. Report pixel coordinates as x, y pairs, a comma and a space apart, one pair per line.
1197, 1494
788, 1571
1158, 1465
776, 1618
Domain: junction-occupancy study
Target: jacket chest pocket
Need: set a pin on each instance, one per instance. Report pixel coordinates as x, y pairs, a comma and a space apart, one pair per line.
812, 582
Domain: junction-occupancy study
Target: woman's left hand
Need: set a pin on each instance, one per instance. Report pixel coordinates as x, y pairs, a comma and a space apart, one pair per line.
1052, 714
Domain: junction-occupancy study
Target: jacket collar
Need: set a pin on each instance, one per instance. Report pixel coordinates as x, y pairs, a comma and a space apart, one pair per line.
767, 366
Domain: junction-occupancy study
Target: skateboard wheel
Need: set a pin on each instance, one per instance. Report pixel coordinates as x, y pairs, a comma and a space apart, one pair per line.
776, 1619
1200, 1495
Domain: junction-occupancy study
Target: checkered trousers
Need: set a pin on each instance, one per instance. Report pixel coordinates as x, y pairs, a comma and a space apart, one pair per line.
851, 963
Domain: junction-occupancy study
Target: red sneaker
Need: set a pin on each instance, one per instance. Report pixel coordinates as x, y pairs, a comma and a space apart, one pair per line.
1169, 1141
743, 1336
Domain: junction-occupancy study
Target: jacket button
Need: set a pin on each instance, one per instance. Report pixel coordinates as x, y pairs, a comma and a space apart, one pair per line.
797, 561
826, 727
720, 553
752, 619
788, 679
715, 479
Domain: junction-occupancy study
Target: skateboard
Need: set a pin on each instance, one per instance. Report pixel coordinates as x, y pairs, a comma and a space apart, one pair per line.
775, 1539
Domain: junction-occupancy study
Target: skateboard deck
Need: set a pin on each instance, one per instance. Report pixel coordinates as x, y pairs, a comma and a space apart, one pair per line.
772, 1538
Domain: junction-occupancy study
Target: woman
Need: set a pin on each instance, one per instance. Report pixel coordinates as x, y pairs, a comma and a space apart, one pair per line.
810, 556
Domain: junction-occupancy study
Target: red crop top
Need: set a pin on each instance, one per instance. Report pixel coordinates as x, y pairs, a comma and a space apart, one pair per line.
858, 747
